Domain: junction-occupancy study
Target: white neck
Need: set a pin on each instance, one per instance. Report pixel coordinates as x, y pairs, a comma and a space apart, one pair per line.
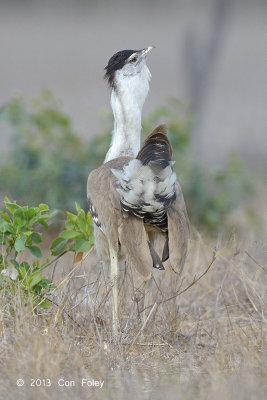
127, 99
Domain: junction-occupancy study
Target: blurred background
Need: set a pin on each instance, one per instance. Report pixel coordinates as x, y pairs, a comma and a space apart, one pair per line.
208, 83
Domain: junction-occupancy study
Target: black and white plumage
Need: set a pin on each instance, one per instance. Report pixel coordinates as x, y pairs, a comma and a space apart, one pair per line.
134, 194
147, 183
116, 63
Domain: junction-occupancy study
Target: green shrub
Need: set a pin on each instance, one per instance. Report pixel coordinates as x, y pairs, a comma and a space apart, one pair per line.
47, 162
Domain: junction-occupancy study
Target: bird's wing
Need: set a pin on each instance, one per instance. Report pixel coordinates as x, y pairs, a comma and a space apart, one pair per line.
104, 200
178, 231
105, 208
133, 239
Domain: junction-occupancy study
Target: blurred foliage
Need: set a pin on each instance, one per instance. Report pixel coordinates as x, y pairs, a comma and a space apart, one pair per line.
48, 162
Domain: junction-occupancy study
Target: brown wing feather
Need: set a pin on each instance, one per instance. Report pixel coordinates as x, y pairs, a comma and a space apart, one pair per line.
178, 231
133, 240
106, 209
104, 200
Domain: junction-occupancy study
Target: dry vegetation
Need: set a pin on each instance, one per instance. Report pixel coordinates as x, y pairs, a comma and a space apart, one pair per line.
208, 342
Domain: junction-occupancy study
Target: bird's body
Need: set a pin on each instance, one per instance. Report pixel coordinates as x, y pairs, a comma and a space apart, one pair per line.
135, 201
134, 194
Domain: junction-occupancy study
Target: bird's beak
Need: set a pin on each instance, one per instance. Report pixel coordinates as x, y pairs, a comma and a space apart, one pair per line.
145, 51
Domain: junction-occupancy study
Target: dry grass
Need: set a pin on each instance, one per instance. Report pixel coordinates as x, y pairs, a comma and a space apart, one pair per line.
208, 342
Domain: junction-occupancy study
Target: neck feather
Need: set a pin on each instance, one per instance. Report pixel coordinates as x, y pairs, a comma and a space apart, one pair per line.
127, 128
127, 100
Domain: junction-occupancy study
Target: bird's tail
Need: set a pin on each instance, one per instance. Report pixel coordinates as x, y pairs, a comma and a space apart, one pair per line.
156, 148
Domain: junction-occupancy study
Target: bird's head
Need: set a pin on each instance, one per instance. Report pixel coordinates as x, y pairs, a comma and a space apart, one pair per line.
128, 68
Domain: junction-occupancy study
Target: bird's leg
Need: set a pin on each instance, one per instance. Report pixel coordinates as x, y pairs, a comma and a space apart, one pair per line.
147, 298
151, 236
114, 276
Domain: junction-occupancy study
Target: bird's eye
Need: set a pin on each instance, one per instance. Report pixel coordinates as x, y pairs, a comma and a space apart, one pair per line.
134, 59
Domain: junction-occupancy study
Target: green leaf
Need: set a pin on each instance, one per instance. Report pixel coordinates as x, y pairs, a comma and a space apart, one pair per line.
45, 304
58, 246
27, 233
91, 240
2, 262
43, 207
70, 222
82, 245
82, 223
19, 217
36, 237
11, 207
45, 224
89, 218
20, 242
15, 263
69, 234
6, 227
36, 252
26, 266
47, 284
24, 271
35, 278
78, 207
30, 213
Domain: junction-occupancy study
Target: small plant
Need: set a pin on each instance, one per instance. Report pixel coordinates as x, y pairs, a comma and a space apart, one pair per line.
77, 235
18, 234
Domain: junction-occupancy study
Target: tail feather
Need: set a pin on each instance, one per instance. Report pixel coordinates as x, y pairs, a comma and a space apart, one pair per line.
156, 149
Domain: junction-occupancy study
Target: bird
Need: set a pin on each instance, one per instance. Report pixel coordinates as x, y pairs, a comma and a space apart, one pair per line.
134, 196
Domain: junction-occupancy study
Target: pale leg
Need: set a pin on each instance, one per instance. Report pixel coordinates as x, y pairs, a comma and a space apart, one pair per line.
148, 284
114, 276
147, 298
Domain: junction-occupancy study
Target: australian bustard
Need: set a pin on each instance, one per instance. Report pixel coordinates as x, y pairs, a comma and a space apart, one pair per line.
134, 194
